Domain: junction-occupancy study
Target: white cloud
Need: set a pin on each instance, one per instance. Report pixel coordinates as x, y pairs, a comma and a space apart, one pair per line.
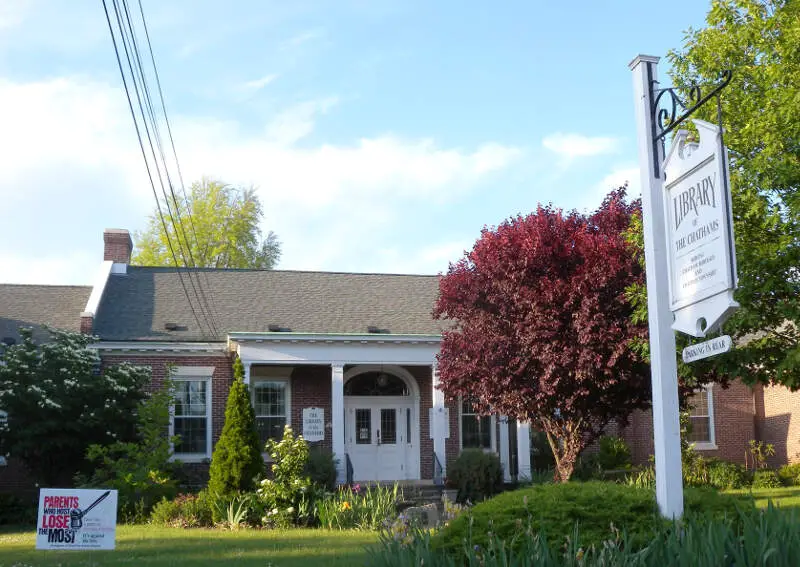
70, 166
257, 84
619, 176
572, 146
301, 38
297, 122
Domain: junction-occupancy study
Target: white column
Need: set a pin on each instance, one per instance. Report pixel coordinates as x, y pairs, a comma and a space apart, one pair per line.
438, 424
247, 365
663, 364
337, 420
505, 455
523, 450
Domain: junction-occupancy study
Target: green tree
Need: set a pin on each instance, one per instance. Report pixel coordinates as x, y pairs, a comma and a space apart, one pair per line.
237, 456
758, 40
59, 403
226, 222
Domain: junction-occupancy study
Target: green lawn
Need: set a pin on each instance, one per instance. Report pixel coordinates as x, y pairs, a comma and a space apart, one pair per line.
155, 546
786, 497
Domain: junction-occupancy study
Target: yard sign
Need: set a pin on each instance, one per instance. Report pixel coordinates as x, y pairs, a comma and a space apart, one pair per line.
76, 519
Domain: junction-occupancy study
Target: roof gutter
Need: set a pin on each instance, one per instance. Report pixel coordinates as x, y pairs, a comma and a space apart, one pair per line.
370, 338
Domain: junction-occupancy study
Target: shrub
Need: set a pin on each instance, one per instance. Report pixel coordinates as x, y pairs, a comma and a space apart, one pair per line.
184, 511
237, 460
358, 508
476, 474
766, 478
554, 509
288, 497
770, 538
17, 511
726, 476
321, 468
614, 454
790, 474
141, 471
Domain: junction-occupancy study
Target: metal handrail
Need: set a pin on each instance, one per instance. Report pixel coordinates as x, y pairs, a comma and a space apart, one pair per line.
348, 468
438, 470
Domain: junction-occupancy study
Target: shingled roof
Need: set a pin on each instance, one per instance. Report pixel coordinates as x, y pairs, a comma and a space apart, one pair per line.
139, 305
57, 306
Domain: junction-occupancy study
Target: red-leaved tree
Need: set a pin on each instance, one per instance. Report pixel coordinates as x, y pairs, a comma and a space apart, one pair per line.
542, 329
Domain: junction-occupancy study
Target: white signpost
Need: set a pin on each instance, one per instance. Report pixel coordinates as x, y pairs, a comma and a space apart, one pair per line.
313, 424
689, 257
76, 519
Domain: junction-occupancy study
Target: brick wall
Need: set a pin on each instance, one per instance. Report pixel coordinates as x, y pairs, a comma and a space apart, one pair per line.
220, 381
311, 387
774, 424
734, 424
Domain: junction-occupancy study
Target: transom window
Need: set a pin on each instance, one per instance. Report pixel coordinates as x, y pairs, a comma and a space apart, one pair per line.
701, 416
476, 430
376, 384
191, 417
270, 402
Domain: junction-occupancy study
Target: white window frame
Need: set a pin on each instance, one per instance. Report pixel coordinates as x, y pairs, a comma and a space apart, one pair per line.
492, 429
287, 392
194, 374
711, 444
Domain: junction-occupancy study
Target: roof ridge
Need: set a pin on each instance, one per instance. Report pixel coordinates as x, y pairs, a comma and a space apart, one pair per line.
60, 286
320, 272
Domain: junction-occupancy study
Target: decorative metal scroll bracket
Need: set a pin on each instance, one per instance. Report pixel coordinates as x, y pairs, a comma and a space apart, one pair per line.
666, 102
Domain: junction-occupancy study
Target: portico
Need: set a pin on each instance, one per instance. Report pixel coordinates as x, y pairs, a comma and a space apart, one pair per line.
385, 418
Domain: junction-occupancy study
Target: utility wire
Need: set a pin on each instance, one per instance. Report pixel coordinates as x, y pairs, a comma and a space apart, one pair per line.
172, 202
144, 155
213, 305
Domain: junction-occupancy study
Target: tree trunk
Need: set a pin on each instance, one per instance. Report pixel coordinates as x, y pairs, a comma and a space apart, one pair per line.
566, 442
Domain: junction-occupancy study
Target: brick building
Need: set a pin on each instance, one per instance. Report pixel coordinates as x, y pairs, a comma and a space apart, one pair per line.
359, 347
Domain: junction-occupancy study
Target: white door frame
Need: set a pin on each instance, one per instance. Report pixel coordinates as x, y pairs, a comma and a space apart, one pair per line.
413, 468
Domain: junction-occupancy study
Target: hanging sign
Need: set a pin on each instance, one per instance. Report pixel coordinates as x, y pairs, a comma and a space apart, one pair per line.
313, 424
76, 519
702, 258
713, 347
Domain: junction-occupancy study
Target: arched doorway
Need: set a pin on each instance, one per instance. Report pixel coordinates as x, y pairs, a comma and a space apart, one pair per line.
382, 423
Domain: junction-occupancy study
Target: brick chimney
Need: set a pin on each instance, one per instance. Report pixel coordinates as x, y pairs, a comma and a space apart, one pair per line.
87, 323
117, 245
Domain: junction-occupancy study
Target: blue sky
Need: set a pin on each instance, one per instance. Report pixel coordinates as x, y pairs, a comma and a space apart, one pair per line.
382, 134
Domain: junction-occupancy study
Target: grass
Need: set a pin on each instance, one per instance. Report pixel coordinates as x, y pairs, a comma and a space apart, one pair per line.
160, 547
787, 497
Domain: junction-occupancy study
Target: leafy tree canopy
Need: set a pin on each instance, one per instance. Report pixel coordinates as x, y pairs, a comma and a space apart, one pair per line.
226, 221
759, 41
543, 328
59, 403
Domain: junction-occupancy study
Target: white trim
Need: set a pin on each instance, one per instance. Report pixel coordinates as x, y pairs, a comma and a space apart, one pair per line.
337, 421
181, 375
297, 352
99, 287
711, 444
194, 371
244, 337
392, 369
149, 347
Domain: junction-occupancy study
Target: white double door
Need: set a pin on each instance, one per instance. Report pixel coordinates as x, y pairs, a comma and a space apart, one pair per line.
381, 438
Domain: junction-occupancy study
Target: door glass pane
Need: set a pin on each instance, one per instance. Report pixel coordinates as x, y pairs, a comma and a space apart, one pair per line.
408, 426
388, 426
363, 426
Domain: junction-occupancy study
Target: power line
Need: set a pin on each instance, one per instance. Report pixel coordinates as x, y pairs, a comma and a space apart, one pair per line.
144, 153
173, 203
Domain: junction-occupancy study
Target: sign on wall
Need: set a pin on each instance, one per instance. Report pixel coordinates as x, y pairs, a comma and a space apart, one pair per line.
701, 254
76, 519
313, 424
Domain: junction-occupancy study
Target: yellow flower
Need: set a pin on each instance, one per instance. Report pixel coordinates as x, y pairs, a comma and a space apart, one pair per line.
345, 505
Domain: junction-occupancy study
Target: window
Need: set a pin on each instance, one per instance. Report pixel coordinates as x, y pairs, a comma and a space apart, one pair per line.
191, 413
476, 430
701, 417
271, 405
